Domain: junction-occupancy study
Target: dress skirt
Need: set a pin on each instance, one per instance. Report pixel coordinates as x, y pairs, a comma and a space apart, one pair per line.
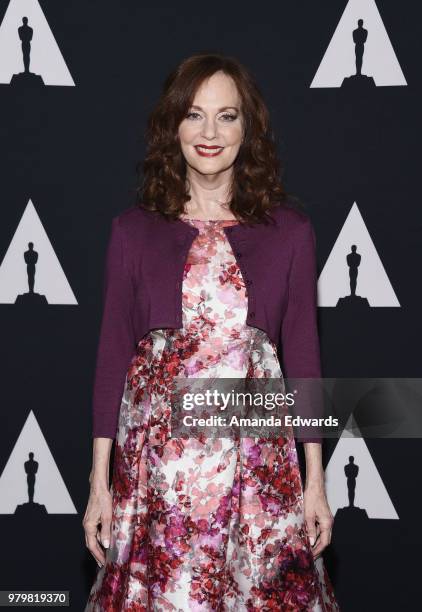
205, 523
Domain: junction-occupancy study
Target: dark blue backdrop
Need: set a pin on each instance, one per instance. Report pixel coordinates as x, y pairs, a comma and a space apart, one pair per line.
72, 151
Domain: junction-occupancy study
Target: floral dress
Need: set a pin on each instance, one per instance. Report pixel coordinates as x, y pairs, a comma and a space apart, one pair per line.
205, 523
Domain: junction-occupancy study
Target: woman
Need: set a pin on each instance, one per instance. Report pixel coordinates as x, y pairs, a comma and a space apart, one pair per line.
199, 284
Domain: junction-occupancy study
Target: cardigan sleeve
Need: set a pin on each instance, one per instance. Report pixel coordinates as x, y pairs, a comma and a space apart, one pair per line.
299, 331
117, 339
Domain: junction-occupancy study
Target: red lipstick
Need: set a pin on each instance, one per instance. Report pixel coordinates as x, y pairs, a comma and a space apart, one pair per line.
208, 150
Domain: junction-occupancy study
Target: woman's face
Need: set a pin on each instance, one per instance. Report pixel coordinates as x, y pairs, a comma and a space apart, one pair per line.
211, 133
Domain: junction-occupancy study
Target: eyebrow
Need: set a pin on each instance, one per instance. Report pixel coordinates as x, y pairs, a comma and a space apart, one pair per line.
219, 110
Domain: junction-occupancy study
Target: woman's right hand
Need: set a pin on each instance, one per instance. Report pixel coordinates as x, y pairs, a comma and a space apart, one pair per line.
98, 511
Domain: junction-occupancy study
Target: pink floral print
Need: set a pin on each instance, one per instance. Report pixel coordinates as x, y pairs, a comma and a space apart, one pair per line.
205, 524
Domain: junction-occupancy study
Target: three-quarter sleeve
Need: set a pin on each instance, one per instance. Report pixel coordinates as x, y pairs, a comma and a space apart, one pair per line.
299, 331
117, 339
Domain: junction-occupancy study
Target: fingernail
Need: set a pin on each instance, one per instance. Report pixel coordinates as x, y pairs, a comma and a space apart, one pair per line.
106, 543
312, 540
99, 564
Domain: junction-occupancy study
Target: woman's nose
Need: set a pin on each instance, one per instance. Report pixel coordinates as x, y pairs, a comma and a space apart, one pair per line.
209, 128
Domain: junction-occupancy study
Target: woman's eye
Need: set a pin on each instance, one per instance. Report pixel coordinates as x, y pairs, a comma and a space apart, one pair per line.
229, 117
225, 117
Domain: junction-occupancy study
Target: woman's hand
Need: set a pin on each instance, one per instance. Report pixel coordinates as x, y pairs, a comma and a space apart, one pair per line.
99, 510
318, 517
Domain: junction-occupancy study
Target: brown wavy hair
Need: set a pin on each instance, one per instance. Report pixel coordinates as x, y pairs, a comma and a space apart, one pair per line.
256, 184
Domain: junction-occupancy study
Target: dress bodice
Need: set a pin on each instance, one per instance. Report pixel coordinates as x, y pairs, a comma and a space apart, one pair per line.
215, 339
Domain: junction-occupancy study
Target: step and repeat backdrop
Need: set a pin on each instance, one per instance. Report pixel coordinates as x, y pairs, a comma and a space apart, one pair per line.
78, 79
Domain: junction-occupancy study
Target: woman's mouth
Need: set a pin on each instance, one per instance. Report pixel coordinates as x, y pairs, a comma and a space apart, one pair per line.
208, 151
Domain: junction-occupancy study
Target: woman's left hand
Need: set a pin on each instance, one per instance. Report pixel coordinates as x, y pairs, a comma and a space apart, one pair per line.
318, 517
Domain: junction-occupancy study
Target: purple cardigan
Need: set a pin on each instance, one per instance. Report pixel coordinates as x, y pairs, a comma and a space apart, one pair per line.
142, 290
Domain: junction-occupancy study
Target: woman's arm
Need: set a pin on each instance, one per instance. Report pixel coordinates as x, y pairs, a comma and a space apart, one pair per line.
117, 341
314, 469
299, 330
99, 476
301, 360
99, 508
115, 348
318, 516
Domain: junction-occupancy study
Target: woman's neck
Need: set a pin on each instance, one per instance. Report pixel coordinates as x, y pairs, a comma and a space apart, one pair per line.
209, 197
